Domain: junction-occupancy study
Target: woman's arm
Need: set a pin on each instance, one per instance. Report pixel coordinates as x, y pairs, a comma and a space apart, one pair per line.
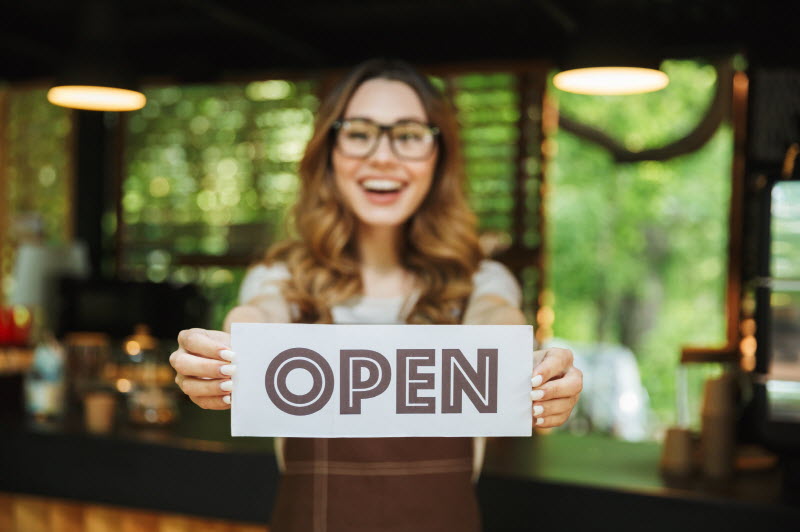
491, 309
269, 308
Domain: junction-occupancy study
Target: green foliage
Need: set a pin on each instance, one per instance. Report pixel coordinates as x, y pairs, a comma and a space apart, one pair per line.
37, 178
638, 252
211, 171
38, 169
487, 106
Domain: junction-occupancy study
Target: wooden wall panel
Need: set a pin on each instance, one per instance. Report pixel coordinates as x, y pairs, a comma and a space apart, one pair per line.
6, 511
250, 528
173, 523
98, 518
66, 516
30, 514
24, 513
138, 521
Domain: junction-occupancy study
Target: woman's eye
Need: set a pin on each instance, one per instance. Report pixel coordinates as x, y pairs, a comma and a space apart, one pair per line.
409, 136
358, 135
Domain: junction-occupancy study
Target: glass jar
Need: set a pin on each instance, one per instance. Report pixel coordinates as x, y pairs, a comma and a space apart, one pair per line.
151, 400
88, 354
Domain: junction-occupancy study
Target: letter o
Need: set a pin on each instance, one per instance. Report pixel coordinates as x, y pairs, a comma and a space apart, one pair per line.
292, 403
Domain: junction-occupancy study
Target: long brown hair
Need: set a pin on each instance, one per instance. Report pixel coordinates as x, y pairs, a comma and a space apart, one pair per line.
440, 244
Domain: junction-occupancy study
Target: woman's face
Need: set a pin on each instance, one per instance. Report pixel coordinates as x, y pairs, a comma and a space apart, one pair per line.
381, 188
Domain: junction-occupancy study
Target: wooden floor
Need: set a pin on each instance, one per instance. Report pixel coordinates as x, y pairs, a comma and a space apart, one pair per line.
24, 513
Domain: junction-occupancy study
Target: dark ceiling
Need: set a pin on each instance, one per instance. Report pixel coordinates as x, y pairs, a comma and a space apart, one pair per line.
211, 39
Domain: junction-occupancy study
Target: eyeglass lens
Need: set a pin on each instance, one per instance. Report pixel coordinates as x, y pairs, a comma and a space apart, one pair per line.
408, 139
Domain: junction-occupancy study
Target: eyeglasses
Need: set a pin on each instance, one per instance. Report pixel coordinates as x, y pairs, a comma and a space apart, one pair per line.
409, 139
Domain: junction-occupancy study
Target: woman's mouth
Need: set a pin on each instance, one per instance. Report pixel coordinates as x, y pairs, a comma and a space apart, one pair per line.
382, 191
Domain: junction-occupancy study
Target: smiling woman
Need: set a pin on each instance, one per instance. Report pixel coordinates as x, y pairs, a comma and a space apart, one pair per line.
383, 235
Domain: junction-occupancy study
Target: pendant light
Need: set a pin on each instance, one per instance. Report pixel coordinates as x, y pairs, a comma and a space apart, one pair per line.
95, 76
608, 80
602, 69
96, 97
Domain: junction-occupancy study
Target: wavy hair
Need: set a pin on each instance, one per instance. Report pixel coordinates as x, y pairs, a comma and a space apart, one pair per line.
440, 244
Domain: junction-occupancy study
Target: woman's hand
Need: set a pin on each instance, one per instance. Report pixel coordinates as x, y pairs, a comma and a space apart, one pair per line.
204, 363
204, 360
556, 386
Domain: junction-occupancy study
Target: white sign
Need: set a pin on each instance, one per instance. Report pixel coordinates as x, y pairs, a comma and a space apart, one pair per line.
300, 380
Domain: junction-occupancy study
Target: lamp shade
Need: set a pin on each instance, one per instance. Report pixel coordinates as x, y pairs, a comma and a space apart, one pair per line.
610, 80
96, 98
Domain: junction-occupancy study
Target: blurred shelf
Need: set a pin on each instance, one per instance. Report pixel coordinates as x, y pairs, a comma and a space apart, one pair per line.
15, 360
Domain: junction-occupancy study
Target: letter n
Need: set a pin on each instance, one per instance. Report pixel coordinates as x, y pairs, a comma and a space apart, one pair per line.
460, 378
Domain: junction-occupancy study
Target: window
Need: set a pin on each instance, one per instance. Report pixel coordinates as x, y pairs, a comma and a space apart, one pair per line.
638, 251
500, 114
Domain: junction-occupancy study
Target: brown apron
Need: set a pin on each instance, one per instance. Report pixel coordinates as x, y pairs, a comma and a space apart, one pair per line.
376, 485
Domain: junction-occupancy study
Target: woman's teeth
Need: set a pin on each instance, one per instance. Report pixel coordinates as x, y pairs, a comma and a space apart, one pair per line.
381, 185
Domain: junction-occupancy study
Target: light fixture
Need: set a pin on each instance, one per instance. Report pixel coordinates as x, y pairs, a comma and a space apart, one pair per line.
603, 68
611, 80
95, 75
96, 98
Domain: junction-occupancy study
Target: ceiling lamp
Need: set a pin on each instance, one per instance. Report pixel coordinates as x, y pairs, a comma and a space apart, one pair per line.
95, 76
96, 98
607, 80
596, 66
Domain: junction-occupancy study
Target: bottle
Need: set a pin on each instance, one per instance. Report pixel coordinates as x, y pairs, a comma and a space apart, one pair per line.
718, 432
44, 383
87, 354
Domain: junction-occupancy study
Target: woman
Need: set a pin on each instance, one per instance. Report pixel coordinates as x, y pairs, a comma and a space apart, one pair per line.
384, 235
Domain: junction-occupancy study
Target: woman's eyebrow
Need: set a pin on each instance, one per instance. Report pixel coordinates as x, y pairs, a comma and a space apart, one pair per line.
401, 119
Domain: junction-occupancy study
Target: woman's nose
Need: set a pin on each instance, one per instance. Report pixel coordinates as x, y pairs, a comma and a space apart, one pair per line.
383, 151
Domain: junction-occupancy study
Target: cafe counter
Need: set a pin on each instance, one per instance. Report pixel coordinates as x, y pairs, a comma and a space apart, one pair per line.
555, 480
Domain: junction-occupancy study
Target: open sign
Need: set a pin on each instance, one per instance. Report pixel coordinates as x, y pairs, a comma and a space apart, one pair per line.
381, 380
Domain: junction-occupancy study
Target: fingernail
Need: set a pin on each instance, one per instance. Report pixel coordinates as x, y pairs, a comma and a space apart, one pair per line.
539, 421
536, 381
228, 369
227, 354
227, 386
535, 394
537, 410
227, 400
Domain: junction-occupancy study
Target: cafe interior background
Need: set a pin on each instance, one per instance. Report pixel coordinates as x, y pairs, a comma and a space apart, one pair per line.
655, 234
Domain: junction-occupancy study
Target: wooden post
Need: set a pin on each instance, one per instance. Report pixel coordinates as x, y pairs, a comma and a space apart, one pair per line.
4, 199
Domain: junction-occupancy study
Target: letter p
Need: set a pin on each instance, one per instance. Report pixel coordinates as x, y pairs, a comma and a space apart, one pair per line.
353, 388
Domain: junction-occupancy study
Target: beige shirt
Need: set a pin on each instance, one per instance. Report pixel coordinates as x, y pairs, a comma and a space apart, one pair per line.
491, 278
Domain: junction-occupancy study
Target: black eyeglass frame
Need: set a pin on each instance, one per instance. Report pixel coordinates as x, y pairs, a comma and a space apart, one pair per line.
386, 129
